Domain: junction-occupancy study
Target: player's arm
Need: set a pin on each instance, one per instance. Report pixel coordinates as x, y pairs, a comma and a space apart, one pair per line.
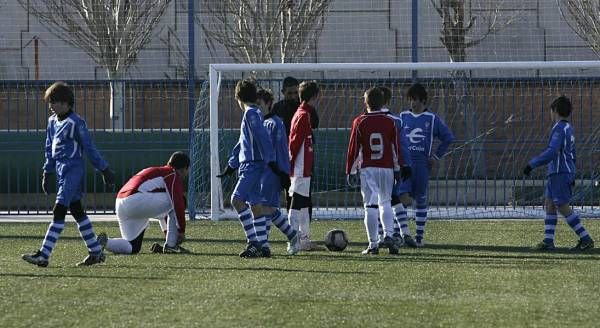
403, 143
300, 130
234, 157
84, 139
280, 144
261, 137
550, 152
175, 189
352, 156
50, 163
443, 133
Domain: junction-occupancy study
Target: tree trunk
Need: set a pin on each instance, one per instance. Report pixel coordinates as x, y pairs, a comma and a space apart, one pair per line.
117, 104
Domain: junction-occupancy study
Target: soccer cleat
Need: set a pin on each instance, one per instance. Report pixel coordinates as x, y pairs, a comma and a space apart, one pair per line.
390, 243
583, 245
294, 245
265, 252
544, 246
166, 249
92, 259
102, 239
309, 246
398, 240
252, 250
371, 251
409, 241
36, 258
420, 243
156, 248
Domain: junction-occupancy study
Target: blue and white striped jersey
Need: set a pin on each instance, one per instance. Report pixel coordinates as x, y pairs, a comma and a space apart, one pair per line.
276, 130
254, 143
560, 153
67, 140
403, 139
420, 131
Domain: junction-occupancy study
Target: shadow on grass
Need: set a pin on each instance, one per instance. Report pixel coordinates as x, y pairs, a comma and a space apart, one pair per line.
67, 275
249, 269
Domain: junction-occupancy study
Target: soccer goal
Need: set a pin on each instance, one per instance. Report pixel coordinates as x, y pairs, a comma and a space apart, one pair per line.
499, 113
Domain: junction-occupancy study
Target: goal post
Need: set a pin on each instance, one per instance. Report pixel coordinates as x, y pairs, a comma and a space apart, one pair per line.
499, 112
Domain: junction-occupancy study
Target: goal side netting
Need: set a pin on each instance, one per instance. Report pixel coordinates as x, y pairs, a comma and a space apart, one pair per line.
499, 113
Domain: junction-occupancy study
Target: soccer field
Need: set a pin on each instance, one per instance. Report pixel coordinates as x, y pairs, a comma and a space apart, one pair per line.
471, 273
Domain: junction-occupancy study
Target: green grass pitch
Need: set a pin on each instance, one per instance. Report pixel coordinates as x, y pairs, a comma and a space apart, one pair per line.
471, 273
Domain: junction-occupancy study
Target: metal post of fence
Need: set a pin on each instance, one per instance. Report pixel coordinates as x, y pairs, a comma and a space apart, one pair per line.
191, 88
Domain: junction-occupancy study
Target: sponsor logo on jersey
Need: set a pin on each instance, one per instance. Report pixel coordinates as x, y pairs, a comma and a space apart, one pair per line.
415, 137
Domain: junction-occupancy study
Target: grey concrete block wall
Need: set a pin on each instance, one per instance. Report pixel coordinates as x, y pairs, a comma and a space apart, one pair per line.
355, 31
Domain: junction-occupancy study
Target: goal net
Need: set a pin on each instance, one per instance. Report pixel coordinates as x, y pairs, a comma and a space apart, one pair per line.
499, 113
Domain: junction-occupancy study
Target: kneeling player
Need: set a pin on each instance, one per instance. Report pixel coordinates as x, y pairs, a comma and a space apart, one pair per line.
154, 192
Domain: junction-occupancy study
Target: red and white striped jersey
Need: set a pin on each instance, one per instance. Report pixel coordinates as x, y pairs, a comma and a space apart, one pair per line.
374, 142
159, 179
301, 142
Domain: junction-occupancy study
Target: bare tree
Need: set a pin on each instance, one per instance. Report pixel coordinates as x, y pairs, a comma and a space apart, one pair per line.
465, 24
111, 32
264, 31
463, 29
583, 17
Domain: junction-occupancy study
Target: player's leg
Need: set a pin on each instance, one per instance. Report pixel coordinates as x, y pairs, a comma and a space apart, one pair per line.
41, 257
560, 185
385, 184
59, 212
550, 222
271, 191
369, 192
420, 187
299, 216
86, 231
249, 177
260, 213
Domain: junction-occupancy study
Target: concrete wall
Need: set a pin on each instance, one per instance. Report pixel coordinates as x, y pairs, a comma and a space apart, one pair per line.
355, 31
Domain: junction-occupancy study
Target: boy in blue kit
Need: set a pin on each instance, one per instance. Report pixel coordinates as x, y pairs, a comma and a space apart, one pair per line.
251, 156
273, 182
560, 157
67, 138
420, 127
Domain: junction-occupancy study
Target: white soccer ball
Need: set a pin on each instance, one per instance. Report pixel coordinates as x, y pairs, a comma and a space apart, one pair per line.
336, 240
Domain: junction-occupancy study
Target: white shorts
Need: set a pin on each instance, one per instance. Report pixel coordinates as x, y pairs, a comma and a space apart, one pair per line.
135, 211
376, 185
300, 185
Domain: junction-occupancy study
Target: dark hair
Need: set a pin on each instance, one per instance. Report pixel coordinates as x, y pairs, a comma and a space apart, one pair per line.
562, 105
374, 98
308, 90
289, 81
245, 91
59, 92
179, 160
265, 95
417, 92
387, 94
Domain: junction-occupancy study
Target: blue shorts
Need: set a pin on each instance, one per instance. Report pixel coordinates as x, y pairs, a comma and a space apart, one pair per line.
417, 185
558, 188
247, 188
69, 177
270, 188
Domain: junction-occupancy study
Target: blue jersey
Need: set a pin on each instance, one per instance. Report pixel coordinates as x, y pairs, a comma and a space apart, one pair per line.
560, 153
403, 139
254, 144
67, 140
279, 140
420, 130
